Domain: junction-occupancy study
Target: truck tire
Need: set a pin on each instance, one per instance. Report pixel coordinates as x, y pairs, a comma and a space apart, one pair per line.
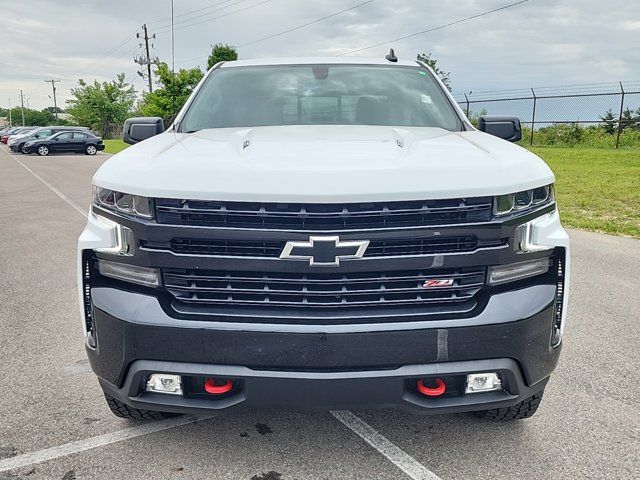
123, 410
524, 409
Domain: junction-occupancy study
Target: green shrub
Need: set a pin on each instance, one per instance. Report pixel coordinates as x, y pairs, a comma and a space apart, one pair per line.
573, 135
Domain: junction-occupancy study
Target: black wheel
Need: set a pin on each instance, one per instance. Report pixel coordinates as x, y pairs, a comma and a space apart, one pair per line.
524, 409
123, 410
43, 150
91, 150
23, 149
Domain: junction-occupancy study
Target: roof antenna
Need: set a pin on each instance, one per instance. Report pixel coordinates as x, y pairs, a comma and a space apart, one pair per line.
392, 56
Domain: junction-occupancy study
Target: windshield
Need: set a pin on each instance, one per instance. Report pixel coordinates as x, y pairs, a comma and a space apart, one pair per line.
320, 95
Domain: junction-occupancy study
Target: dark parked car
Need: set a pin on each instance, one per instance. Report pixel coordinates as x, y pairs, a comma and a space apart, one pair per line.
17, 142
69, 141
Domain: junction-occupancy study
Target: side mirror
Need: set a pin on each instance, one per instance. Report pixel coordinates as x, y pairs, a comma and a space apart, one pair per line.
140, 128
507, 128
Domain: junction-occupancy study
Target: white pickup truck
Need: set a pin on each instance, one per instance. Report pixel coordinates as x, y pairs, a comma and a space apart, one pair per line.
323, 233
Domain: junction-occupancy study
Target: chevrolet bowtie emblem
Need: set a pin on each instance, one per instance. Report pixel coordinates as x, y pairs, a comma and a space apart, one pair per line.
322, 251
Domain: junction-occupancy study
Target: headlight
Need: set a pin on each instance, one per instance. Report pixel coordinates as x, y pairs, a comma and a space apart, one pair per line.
122, 202
520, 202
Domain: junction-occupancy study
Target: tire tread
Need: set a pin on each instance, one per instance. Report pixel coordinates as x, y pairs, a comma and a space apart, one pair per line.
524, 409
123, 410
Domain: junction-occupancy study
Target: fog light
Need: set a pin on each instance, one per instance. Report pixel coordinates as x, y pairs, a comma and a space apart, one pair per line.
165, 383
483, 382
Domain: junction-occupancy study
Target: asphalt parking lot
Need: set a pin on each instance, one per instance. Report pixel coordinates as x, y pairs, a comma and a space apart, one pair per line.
55, 424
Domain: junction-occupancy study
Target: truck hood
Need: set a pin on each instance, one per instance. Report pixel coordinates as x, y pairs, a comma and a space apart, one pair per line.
323, 164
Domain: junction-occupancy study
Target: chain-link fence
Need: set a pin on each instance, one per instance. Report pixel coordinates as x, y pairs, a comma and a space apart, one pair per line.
598, 115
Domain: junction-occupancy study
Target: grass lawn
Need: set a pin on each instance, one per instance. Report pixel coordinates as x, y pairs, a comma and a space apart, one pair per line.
597, 189
114, 146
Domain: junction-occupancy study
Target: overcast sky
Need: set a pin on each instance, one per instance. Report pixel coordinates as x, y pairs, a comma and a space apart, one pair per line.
537, 43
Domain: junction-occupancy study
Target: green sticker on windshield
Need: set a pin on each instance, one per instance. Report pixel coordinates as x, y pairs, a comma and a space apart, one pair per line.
422, 72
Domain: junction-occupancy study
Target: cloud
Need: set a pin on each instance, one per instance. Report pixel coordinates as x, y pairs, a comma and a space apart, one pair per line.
541, 42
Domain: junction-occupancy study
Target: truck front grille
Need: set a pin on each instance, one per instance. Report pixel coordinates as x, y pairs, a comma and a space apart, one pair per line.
323, 289
320, 216
377, 248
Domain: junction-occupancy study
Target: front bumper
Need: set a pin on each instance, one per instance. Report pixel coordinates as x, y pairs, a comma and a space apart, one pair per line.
329, 365
320, 368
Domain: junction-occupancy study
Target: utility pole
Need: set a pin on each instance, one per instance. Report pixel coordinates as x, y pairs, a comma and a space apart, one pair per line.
10, 122
55, 104
22, 106
146, 60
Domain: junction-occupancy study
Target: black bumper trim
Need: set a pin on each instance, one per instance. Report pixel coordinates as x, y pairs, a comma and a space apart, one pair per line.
326, 390
144, 332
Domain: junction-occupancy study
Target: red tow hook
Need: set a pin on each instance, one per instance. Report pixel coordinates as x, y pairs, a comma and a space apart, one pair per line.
211, 387
432, 392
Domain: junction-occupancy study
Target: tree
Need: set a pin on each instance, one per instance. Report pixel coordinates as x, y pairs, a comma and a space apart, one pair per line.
34, 117
474, 117
610, 122
101, 106
221, 53
630, 119
427, 59
31, 117
174, 91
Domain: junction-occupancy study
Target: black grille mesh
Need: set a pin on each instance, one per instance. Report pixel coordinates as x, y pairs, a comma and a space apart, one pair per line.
315, 217
322, 289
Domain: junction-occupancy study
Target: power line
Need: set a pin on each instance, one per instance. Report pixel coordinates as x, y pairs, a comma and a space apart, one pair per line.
200, 19
304, 25
162, 20
173, 42
466, 19
219, 16
288, 30
105, 54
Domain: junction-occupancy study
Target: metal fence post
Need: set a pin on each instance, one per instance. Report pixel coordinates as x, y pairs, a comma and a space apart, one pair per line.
533, 116
620, 128
467, 99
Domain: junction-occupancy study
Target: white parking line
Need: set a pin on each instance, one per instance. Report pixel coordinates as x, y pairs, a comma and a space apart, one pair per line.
49, 186
382, 444
94, 442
